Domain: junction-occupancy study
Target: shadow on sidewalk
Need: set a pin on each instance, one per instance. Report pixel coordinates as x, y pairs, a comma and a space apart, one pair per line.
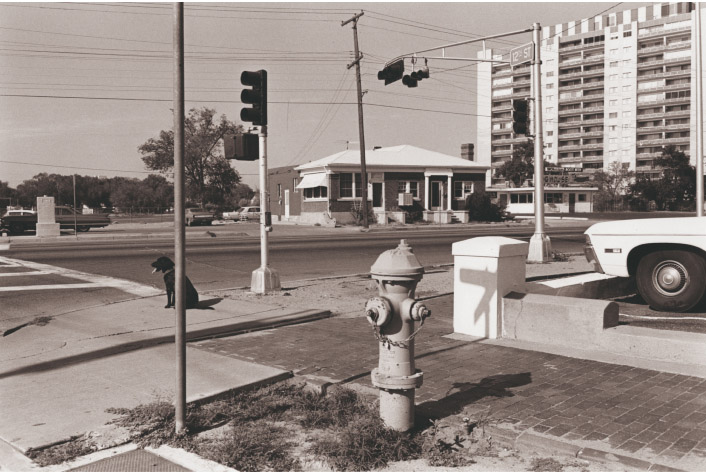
468, 392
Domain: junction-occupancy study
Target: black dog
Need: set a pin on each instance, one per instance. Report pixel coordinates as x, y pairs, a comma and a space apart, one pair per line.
166, 265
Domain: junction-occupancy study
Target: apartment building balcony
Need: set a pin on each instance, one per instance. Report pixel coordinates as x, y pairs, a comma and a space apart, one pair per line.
663, 141
593, 109
593, 59
592, 158
595, 121
570, 75
503, 106
515, 140
593, 72
648, 155
521, 83
500, 154
653, 63
570, 135
591, 146
592, 134
566, 160
571, 111
565, 88
569, 147
501, 72
662, 32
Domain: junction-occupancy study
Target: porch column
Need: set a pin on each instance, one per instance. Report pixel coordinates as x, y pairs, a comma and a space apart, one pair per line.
449, 192
426, 192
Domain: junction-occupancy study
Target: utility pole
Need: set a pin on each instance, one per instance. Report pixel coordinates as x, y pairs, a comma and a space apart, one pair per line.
540, 247
699, 113
179, 231
361, 132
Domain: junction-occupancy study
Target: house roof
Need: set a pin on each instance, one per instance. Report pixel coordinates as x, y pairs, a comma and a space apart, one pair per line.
396, 156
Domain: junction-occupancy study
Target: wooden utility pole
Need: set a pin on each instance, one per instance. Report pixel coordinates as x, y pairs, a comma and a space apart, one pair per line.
361, 132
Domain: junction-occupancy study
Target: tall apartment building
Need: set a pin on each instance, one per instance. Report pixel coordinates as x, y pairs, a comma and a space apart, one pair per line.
615, 88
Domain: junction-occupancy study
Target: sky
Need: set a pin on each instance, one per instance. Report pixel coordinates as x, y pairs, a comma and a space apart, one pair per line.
83, 85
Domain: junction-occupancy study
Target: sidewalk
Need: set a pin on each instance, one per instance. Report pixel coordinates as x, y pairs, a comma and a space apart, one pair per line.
632, 416
536, 400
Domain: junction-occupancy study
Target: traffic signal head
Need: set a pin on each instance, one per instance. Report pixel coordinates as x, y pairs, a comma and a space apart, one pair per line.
520, 116
392, 72
241, 147
422, 73
409, 81
256, 96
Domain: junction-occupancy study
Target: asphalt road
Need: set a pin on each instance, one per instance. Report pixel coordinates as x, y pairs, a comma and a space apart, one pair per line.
228, 259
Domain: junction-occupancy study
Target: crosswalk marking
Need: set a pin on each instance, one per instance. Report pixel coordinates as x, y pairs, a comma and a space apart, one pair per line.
91, 280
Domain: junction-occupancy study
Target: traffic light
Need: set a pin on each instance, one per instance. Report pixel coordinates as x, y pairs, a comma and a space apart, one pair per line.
241, 147
422, 73
392, 72
256, 96
409, 81
520, 116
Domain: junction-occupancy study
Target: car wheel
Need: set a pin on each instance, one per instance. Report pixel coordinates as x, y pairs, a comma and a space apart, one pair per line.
671, 280
83, 229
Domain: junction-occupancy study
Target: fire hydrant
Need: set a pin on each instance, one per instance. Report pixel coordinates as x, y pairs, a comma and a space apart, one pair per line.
392, 315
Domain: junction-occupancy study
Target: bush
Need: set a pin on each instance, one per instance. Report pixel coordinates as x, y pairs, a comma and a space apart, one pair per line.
357, 212
480, 208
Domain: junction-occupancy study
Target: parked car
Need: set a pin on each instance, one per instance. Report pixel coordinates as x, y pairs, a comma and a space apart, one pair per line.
231, 215
198, 216
666, 256
249, 213
65, 216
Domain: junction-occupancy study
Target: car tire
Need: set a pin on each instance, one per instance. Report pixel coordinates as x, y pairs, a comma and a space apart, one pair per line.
671, 280
83, 228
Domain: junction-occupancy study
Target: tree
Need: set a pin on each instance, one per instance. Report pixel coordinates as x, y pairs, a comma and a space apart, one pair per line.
520, 167
8, 196
676, 187
208, 175
612, 186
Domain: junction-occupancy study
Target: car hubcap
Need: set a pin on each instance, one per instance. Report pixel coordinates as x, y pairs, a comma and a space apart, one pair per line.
670, 278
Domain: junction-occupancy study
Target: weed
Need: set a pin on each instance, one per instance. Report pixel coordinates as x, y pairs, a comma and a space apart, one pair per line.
251, 447
364, 444
61, 452
546, 464
442, 452
560, 257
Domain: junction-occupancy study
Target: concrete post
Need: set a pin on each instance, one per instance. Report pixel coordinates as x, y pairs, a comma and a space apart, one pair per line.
46, 219
485, 270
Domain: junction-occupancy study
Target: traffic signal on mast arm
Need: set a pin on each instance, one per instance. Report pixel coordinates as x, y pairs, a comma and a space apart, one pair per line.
256, 96
392, 72
520, 116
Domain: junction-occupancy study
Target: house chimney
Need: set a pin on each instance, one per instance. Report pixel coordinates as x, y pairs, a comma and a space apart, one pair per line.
467, 152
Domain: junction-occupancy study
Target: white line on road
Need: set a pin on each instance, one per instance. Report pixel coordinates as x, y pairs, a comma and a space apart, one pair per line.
36, 272
95, 281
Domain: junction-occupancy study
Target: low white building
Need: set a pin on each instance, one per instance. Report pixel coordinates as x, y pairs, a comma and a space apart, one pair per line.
520, 200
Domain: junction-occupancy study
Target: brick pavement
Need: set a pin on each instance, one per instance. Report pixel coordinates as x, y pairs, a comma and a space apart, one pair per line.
637, 413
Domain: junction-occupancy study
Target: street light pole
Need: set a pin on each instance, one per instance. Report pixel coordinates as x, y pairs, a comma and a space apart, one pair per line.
179, 231
699, 113
540, 247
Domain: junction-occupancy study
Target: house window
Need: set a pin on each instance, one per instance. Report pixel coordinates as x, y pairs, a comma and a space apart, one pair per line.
315, 193
462, 189
349, 186
279, 190
521, 198
553, 197
408, 186
582, 197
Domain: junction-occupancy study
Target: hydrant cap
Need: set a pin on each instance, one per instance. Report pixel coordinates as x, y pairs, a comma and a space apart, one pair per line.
399, 263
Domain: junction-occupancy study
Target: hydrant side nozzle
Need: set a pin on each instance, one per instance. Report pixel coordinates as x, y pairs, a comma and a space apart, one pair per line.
378, 311
419, 312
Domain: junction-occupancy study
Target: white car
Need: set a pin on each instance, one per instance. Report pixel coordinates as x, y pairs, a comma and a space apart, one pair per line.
19, 212
666, 256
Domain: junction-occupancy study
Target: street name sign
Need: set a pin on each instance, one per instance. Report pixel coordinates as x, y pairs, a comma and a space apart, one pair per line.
521, 54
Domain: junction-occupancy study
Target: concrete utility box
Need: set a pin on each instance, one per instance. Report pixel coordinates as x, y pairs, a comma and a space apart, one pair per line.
46, 219
485, 270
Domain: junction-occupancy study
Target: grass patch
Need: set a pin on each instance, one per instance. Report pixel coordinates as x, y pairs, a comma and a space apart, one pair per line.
283, 427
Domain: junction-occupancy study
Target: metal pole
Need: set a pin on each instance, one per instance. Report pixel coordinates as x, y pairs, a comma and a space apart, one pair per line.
361, 132
540, 248
264, 279
699, 114
75, 217
179, 232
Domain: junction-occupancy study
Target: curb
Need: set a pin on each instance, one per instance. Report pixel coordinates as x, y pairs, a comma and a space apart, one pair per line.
529, 441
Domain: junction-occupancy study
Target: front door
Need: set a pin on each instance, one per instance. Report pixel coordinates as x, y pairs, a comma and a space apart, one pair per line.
436, 195
377, 195
572, 202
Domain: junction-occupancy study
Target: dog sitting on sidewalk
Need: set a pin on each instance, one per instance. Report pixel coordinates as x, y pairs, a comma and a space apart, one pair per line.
166, 265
